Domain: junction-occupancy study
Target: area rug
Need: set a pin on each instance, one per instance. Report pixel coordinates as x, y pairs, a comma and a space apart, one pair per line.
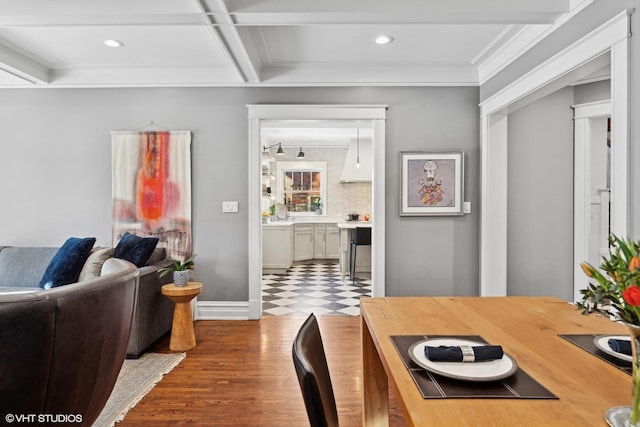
137, 377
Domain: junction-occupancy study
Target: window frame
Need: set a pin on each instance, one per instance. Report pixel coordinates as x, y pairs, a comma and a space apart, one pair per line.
283, 167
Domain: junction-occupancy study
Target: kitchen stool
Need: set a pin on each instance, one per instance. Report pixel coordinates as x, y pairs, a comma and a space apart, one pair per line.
361, 237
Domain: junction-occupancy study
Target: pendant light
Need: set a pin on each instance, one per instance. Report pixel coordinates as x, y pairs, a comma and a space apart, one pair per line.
301, 154
358, 149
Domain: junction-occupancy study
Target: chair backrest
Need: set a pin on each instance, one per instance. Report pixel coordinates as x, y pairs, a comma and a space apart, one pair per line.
313, 375
362, 236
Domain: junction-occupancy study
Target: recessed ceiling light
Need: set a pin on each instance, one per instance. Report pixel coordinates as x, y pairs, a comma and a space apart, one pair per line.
384, 39
113, 43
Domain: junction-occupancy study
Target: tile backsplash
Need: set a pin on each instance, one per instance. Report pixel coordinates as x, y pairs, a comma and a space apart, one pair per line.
350, 197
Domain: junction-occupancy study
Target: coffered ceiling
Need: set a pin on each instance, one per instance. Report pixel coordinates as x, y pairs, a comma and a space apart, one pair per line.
59, 43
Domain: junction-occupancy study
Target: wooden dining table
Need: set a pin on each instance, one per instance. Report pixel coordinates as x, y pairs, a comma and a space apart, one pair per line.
529, 330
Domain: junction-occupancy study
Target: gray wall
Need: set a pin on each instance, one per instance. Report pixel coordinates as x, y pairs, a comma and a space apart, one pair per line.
599, 12
433, 255
592, 92
56, 173
540, 202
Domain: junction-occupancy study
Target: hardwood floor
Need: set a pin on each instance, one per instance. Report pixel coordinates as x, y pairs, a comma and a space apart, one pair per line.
241, 374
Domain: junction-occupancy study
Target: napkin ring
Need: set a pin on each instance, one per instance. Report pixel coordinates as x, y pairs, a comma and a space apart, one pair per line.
467, 353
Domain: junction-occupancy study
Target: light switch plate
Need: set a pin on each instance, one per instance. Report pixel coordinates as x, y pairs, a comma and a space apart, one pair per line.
229, 207
466, 207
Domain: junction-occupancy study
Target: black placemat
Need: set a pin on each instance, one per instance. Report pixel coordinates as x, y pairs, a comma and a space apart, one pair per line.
585, 342
432, 386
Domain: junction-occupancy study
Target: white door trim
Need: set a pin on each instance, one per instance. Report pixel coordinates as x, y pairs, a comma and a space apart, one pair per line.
377, 115
611, 36
583, 115
620, 137
493, 201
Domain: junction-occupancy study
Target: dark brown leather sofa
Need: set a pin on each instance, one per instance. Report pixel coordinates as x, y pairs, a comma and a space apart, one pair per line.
153, 314
61, 349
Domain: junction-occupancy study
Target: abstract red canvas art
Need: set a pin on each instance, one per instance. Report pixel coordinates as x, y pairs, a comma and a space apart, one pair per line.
151, 188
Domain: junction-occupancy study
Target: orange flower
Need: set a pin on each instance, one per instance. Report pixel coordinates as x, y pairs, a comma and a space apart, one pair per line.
587, 269
634, 264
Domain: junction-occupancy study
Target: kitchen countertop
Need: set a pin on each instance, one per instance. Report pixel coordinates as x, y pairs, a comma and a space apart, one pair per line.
354, 224
307, 220
279, 224
320, 219
326, 220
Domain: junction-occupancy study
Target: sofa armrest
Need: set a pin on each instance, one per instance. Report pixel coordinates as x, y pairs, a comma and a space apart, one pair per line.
153, 312
153, 269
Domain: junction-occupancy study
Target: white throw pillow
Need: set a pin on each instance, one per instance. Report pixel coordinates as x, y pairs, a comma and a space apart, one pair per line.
113, 265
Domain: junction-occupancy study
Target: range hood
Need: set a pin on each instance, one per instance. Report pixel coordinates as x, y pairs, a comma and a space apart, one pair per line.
351, 173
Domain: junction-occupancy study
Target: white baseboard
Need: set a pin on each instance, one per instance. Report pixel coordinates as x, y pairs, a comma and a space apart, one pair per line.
222, 310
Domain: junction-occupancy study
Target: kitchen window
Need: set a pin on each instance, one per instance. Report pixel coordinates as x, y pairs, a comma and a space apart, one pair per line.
302, 187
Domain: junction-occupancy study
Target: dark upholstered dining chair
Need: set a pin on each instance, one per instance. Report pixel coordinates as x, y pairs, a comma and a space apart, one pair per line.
313, 375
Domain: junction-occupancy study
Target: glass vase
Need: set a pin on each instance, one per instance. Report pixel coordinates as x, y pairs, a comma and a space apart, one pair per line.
629, 416
634, 410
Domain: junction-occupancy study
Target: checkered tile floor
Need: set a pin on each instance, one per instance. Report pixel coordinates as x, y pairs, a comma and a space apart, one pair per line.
315, 287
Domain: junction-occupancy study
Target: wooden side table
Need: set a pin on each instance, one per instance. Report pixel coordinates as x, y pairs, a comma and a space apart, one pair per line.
183, 336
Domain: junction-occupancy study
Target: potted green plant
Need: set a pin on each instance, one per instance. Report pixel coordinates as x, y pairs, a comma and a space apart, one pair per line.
272, 211
318, 206
181, 271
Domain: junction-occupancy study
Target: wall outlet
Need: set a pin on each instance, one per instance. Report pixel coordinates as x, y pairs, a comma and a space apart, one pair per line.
229, 207
466, 207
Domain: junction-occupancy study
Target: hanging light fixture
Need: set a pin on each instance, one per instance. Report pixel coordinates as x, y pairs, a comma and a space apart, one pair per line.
301, 154
358, 149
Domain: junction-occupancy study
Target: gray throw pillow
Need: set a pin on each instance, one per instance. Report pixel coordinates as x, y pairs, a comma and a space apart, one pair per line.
93, 264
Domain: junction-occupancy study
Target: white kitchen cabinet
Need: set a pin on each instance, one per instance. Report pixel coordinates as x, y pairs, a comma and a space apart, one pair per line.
332, 242
277, 248
303, 242
319, 231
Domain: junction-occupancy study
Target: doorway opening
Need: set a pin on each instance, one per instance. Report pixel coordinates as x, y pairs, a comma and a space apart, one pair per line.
306, 218
311, 183
608, 43
592, 187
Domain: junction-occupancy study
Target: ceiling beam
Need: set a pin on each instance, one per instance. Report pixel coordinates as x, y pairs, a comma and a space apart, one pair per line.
283, 12
23, 67
297, 12
235, 46
398, 18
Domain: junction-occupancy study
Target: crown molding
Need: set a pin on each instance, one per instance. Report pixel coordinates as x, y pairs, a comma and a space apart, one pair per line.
527, 38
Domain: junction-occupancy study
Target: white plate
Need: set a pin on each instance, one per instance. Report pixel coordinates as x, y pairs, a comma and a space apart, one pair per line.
490, 370
602, 342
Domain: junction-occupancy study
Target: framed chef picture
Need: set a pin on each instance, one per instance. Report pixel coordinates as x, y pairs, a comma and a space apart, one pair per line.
431, 183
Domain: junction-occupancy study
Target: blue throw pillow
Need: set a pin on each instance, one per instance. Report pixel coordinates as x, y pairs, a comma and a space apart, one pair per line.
66, 264
135, 249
